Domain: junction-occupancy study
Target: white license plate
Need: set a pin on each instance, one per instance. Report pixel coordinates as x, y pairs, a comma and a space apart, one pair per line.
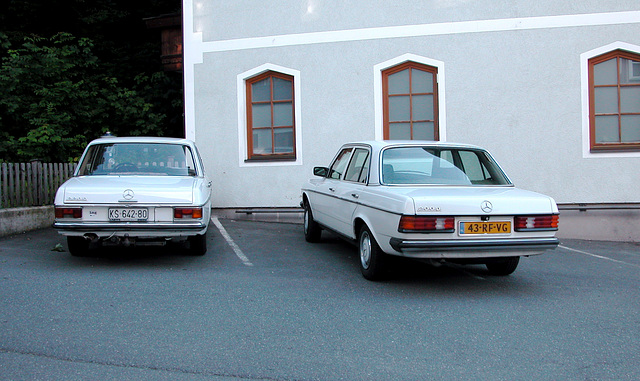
128, 214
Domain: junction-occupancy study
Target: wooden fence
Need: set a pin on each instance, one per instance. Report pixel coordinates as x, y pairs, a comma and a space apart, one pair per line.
31, 184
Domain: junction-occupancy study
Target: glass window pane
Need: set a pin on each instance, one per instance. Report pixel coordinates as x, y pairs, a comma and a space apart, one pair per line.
399, 109
261, 91
423, 131
472, 166
399, 131
283, 138
605, 73
262, 141
422, 107
282, 89
607, 129
261, 115
283, 114
399, 82
630, 99
629, 71
339, 165
357, 164
606, 100
630, 128
421, 81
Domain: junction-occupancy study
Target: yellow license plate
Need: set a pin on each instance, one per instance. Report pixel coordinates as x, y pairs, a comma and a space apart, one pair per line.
485, 227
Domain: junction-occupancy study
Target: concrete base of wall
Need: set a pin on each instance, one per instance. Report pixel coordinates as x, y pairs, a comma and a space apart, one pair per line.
601, 225
286, 215
20, 220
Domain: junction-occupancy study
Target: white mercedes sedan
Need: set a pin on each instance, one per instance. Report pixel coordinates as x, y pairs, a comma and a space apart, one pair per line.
135, 191
428, 200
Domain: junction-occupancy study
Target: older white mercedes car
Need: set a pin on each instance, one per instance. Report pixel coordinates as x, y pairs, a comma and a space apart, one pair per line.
428, 200
135, 191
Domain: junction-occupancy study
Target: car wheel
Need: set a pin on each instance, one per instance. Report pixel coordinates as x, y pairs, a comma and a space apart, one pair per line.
372, 258
78, 246
198, 244
504, 266
312, 231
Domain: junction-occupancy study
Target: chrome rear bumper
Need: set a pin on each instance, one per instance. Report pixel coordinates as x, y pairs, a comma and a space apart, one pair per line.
521, 244
128, 226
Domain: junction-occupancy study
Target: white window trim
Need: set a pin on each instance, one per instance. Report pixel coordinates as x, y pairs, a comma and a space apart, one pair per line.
242, 115
584, 74
377, 91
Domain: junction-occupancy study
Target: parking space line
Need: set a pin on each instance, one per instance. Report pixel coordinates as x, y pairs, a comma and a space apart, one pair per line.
231, 243
598, 256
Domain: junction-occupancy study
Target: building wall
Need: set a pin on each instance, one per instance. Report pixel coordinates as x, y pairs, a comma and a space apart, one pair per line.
511, 81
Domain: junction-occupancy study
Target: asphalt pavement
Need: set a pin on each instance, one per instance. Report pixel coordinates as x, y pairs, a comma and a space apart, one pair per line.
263, 304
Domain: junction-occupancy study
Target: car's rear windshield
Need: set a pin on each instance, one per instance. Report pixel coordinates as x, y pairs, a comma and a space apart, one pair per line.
159, 159
440, 166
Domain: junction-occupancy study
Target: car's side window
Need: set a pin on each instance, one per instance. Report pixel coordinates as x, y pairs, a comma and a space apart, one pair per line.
358, 167
478, 170
340, 164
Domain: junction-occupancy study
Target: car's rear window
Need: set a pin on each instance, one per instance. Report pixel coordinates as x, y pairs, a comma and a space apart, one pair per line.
440, 166
138, 159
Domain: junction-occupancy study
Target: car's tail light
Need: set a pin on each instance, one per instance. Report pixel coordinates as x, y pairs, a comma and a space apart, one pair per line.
187, 213
68, 212
426, 224
536, 223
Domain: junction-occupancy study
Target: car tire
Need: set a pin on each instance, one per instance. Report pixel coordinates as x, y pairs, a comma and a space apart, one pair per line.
198, 244
504, 266
78, 246
312, 230
372, 258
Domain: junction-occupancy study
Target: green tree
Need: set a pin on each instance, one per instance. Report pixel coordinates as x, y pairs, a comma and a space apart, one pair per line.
55, 98
110, 73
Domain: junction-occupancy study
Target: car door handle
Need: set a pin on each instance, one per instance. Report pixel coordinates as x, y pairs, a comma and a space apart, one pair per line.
355, 195
332, 189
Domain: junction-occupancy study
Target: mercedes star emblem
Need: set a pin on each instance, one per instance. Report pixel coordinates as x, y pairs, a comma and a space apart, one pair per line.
128, 194
486, 206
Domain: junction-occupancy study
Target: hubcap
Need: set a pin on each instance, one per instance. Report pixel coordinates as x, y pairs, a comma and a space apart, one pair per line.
365, 250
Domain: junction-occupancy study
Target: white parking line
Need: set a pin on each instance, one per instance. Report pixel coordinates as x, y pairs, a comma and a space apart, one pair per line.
229, 240
598, 256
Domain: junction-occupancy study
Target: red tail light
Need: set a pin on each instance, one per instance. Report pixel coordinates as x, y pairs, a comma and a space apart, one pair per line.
68, 212
536, 223
187, 213
426, 224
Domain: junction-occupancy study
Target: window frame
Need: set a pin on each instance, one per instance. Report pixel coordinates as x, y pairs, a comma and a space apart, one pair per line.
594, 146
287, 156
410, 65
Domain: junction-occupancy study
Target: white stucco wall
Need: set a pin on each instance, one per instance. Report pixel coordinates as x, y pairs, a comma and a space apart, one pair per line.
512, 74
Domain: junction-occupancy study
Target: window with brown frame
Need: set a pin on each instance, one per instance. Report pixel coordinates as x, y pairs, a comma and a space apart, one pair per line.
410, 102
270, 117
614, 101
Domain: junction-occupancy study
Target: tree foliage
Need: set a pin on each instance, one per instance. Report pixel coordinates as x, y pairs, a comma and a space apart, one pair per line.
91, 67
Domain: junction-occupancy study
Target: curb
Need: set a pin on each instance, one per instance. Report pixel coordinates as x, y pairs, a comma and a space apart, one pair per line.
20, 220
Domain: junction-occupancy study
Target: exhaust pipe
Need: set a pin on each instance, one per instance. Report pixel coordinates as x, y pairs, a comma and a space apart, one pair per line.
91, 237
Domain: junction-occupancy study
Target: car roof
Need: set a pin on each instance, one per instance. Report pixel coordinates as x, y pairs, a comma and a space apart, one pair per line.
380, 144
140, 139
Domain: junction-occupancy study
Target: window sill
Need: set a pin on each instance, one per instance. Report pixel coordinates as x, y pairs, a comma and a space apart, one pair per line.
632, 148
270, 159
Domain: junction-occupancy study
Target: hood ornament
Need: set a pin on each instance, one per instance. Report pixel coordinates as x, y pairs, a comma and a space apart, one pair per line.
486, 206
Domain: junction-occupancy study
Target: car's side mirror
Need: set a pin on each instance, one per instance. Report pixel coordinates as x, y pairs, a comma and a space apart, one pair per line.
320, 171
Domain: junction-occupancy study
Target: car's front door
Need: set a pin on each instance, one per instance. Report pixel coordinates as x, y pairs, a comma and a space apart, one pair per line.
339, 192
325, 202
